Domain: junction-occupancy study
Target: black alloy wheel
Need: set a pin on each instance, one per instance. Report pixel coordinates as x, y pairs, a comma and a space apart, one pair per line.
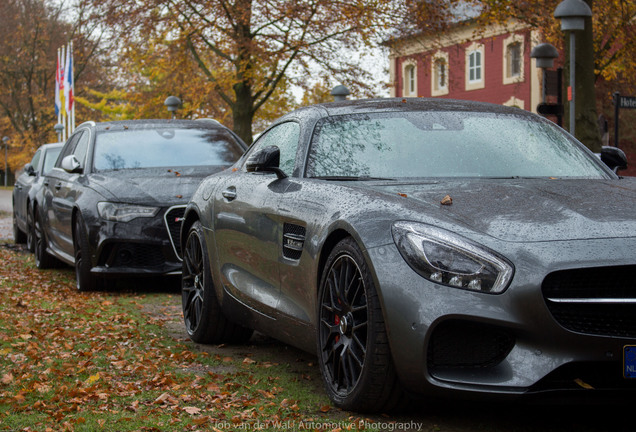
202, 314
354, 355
42, 258
85, 280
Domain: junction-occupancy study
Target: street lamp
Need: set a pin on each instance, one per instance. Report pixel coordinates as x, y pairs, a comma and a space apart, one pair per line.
5, 140
572, 14
545, 55
173, 103
340, 93
58, 130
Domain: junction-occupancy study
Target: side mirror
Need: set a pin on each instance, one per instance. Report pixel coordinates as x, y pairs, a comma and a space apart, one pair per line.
29, 170
70, 164
265, 160
614, 158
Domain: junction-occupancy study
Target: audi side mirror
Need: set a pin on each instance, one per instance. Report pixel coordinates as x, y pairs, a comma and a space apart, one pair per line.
70, 164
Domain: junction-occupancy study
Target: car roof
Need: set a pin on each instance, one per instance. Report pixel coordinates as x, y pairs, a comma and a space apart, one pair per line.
401, 105
51, 145
204, 123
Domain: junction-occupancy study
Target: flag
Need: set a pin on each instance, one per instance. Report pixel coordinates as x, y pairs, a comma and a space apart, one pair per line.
62, 92
68, 80
58, 102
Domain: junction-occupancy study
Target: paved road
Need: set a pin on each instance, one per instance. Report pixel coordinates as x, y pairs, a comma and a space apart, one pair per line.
6, 208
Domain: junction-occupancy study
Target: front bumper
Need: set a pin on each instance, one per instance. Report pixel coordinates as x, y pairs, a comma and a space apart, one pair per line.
446, 340
142, 246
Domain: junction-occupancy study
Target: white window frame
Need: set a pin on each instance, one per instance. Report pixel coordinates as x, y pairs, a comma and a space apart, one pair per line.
436, 88
480, 83
508, 78
409, 82
515, 102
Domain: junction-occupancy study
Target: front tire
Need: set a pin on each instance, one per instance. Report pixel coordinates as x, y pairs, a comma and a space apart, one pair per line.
43, 260
18, 235
30, 235
202, 314
85, 280
353, 348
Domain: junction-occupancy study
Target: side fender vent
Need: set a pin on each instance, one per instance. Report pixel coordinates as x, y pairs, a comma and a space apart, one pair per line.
293, 241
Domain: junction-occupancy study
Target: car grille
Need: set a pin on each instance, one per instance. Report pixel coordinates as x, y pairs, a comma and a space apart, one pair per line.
599, 301
136, 255
173, 218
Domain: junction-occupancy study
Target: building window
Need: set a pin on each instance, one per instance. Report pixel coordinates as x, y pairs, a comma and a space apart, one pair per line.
513, 59
410, 78
475, 67
439, 74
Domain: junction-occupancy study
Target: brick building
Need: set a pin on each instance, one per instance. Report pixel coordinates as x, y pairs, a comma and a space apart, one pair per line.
468, 62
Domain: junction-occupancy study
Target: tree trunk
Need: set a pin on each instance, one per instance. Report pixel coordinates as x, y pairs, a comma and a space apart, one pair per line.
586, 130
243, 112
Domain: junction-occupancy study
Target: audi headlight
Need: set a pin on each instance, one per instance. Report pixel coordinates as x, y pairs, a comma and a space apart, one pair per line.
120, 212
448, 259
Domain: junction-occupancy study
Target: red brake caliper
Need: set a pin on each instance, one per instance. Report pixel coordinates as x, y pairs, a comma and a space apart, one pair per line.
337, 320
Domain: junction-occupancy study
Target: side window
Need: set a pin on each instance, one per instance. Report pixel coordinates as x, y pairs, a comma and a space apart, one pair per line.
49, 159
81, 149
36, 159
68, 148
284, 136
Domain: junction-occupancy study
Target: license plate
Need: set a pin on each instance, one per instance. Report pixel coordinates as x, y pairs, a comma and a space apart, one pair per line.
629, 361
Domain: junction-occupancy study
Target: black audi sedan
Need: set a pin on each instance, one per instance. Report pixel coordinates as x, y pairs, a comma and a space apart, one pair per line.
26, 188
436, 247
113, 202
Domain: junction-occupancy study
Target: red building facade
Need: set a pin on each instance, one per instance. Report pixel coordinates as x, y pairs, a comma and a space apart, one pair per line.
492, 65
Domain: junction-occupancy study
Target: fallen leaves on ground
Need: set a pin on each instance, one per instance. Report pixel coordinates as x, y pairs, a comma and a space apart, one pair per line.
85, 361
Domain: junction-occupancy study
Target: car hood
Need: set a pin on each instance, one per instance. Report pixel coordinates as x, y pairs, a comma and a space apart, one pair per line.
527, 210
154, 186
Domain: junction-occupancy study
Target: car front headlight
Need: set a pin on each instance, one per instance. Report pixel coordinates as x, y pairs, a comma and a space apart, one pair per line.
120, 212
448, 259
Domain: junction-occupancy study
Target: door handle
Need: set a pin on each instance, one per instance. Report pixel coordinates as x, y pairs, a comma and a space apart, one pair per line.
229, 193
58, 186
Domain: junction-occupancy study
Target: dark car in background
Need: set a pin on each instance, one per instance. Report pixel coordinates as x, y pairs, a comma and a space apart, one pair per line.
436, 247
113, 202
26, 188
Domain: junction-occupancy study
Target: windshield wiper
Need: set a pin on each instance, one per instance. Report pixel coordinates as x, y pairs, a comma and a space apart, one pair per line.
351, 178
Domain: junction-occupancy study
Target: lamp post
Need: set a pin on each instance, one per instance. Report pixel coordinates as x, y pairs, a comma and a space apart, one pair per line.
5, 140
173, 103
58, 130
545, 55
340, 93
572, 14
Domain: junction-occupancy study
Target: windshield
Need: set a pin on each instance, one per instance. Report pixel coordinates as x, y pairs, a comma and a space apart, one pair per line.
164, 147
445, 144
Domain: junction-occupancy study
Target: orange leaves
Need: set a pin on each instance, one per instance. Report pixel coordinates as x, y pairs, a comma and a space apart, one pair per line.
7, 378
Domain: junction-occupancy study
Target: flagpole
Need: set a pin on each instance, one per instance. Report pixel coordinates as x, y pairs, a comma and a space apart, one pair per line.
72, 89
57, 90
62, 97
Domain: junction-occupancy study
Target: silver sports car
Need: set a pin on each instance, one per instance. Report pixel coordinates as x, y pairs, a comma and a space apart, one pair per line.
421, 246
